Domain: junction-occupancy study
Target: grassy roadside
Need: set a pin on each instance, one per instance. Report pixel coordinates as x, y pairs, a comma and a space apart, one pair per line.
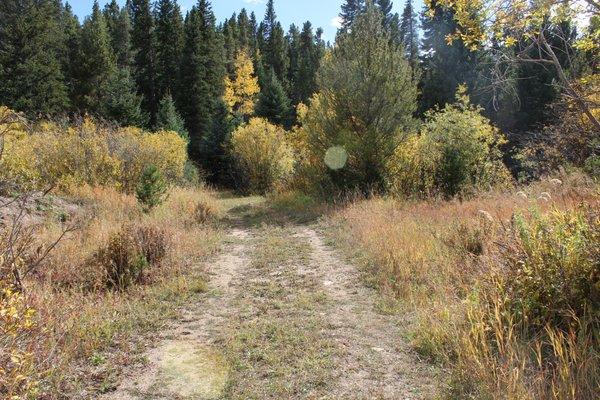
453, 269
84, 332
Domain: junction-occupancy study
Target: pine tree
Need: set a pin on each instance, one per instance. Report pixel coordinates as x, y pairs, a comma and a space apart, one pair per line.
367, 100
118, 22
168, 119
121, 103
444, 66
350, 10
169, 45
274, 45
30, 70
230, 39
143, 39
273, 102
246, 38
293, 39
96, 66
304, 83
152, 189
215, 160
202, 74
69, 52
386, 9
409, 35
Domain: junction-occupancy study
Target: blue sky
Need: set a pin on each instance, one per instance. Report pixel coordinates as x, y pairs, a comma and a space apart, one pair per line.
320, 12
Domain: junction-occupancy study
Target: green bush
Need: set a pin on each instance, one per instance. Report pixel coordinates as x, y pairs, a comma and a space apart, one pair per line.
152, 189
554, 276
457, 152
263, 158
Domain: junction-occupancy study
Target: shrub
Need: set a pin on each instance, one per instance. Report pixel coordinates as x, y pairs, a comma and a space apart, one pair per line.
152, 189
533, 333
17, 362
122, 260
262, 156
457, 152
130, 251
152, 242
204, 212
53, 155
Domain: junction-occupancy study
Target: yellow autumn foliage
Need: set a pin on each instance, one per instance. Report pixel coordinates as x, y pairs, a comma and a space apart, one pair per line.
52, 155
17, 364
240, 93
262, 155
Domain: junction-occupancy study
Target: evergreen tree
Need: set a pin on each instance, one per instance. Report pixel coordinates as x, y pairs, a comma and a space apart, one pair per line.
168, 119
386, 9
202, 74
273, 102
69, 52
293, 39
304, 83
169, 45
409, 35
366, 103
121, 103
246, 38
274, 45
96, 66
350, 10
444, 66
143, 38
31, 73
118, 22
215, 160
230, 40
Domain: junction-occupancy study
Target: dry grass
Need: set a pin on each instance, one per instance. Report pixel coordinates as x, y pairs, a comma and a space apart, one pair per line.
441, 263
85, 331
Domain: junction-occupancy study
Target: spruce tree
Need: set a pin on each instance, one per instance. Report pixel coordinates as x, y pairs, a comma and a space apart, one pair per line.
118, 22
202, 74
96, 65
168, 119
304, 83
215, 160
31, 73
409, 35
169, 45
69, 55
121, 103
230, 41
143, 38
444, 66
273, 102
246, 39
274, 45
350, 10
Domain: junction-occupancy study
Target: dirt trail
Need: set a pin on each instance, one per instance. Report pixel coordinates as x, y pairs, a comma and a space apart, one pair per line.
284, 317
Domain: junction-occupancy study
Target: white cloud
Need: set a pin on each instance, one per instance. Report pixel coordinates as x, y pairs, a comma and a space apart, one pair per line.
254, 1
336, 22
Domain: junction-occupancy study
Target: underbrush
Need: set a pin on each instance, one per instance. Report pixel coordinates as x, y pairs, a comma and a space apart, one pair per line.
504, 289
117, 274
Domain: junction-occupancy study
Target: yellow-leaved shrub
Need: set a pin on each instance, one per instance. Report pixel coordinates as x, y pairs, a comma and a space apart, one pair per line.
53, 155
262, 155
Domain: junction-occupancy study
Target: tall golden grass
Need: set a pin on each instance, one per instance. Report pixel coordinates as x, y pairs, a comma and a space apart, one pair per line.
81, 330
455, 267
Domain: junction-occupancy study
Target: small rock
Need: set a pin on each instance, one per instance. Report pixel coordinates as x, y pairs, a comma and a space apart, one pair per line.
377, 349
